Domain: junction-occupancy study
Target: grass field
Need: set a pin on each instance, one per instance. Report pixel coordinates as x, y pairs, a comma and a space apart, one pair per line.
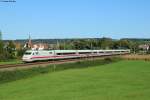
124, 80
16, 61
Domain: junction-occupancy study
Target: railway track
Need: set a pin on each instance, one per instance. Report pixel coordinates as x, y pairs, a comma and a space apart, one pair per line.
23, 65
36, 64
17, 65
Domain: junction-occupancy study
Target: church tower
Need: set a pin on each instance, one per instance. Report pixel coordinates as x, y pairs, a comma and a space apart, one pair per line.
30, 42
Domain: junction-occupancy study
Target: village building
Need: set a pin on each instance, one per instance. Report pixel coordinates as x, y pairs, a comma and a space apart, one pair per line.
144, 47
36, 46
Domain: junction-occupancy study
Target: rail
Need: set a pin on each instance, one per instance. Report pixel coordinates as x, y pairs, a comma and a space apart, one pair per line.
25, 65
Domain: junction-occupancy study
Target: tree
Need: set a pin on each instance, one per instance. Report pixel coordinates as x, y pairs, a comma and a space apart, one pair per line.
0, 35
122, 44
11, 48
106, 43
20, 52
1, 43
3, 53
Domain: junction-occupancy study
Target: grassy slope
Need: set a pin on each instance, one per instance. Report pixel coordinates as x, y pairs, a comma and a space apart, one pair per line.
124, 80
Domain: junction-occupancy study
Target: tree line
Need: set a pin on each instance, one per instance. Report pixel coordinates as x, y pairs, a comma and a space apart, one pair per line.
103, 43
8, 50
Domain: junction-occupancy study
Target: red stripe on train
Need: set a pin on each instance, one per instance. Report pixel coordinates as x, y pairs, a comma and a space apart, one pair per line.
52, 56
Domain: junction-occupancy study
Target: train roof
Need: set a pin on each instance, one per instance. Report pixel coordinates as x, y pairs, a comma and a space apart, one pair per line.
76, 50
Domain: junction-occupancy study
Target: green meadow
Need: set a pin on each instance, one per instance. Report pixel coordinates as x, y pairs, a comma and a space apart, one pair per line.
122, 80
16, 61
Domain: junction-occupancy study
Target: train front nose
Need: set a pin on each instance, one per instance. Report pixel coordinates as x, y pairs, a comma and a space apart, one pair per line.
26, 58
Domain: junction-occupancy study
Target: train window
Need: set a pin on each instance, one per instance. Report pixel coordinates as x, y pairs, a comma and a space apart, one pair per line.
32, 53
84, 52
36, 53
67, 53
109, 52
50, 52
59, 53
27, 53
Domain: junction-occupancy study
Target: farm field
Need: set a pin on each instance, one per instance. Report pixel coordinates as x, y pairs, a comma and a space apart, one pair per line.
123, 80
136, 57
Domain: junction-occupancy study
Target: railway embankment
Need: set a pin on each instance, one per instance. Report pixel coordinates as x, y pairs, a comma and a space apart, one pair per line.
12, 75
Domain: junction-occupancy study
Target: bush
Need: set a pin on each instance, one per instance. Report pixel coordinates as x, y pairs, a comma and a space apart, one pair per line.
108, 59
20, 52
5, 56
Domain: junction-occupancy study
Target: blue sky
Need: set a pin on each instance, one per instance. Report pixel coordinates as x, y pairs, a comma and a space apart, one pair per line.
75, 19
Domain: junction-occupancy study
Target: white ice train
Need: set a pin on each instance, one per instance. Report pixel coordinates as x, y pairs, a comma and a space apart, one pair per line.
38, 55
